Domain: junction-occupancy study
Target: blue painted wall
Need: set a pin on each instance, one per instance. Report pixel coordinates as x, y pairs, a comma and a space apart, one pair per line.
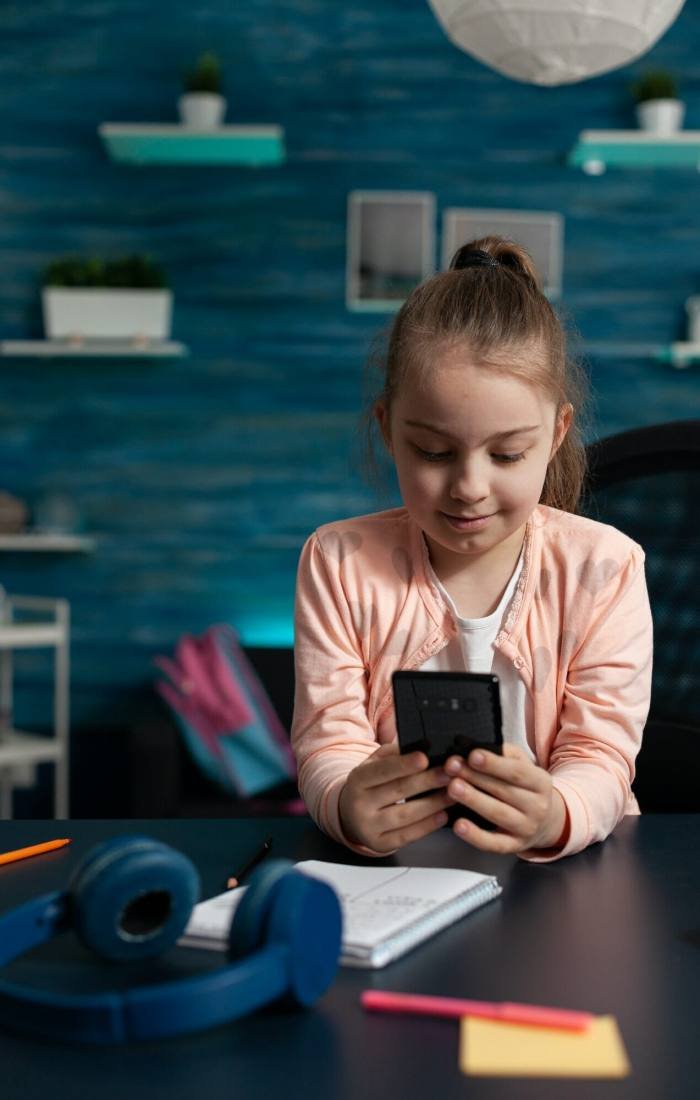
202, 477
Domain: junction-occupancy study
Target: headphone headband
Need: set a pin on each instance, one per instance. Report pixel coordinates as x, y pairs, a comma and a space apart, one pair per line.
294, 921
31, 924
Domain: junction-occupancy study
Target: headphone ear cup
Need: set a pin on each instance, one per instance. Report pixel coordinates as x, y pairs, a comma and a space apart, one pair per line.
282, 905
306, 916
132, 897
247, 931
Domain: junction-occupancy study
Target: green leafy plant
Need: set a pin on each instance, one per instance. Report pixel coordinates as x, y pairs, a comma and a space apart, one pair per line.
205, 76
655, 84
134, 272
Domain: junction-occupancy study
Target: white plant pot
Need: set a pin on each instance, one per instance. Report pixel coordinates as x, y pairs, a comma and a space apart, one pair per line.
692, 306
106, 313
661, 116
201, 110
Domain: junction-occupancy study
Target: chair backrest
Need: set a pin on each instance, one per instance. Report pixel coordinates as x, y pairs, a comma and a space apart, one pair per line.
668, 767
646, 482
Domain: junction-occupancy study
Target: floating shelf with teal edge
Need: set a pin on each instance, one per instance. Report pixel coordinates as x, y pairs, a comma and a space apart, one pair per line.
681, 354
92, 349
147, 143
597, 150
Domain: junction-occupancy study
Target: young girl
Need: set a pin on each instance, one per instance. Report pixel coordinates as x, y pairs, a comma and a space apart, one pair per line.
486, 567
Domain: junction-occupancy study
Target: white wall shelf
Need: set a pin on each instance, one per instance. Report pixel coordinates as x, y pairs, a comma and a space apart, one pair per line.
92, 349
30, 622
27, 541
154, 143
597, 150
679, 354
622, 350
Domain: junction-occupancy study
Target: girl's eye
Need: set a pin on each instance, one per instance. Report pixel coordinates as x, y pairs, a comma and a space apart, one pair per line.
433, 456
509, 458
442, 456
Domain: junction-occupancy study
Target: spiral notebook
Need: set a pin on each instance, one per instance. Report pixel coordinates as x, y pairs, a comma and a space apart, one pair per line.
387, 911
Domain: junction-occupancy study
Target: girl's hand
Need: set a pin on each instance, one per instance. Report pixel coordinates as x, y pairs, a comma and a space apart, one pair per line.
371, 808
514, 794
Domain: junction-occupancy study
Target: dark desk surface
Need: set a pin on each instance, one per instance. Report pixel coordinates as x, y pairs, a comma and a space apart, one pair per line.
613, 930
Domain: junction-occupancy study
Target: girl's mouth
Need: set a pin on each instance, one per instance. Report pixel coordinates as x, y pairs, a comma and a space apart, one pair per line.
461, 523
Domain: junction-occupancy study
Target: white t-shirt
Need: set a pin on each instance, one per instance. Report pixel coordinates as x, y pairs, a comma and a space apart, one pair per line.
472, 650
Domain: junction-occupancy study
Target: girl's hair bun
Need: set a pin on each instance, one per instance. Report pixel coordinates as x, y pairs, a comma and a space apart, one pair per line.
495, 252
472, 257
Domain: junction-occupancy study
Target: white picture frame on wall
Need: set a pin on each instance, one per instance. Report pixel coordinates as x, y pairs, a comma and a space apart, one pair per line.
390, 247
541, 232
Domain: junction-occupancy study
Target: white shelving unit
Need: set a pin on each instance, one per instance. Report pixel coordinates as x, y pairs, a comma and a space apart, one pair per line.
30, 622
48, 543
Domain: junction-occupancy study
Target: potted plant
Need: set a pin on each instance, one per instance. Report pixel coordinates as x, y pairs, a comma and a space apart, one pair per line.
87, 297
658, 108
202, 107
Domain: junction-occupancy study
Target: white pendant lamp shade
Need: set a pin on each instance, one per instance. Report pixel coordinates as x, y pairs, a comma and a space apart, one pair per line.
555, 41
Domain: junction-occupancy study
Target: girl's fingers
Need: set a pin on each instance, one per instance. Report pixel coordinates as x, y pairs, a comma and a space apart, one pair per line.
408, 831
398, 814
512, 768
399, 790
520, 798
402, 814
500, 813
386, 764
376, 798
391, 827
502, 843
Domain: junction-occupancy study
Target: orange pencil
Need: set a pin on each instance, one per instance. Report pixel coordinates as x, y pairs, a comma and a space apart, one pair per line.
33, 850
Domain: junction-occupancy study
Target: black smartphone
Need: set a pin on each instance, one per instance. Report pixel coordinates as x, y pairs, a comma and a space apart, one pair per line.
445, 714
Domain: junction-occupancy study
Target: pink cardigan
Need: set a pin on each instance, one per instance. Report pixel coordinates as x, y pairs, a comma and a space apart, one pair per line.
578, 631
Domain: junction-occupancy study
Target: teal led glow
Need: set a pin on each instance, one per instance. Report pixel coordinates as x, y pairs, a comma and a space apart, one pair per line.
265, 631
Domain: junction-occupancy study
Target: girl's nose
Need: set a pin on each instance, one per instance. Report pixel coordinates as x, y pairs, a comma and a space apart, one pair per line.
470, 482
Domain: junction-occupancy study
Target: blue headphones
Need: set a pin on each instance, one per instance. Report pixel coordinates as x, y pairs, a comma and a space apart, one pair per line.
130, 899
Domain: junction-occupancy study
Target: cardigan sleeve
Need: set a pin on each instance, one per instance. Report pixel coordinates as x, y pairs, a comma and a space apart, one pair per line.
606, 703
331, 733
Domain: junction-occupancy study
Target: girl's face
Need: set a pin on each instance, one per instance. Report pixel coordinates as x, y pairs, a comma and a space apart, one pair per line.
471, 448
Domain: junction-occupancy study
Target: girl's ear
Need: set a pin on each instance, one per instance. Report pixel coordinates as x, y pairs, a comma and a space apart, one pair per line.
381, 414
564, 418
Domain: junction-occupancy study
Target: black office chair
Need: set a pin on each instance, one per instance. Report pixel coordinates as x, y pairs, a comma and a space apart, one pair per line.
646, 482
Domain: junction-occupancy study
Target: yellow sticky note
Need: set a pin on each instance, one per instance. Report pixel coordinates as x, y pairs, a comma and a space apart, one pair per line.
491, 1048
